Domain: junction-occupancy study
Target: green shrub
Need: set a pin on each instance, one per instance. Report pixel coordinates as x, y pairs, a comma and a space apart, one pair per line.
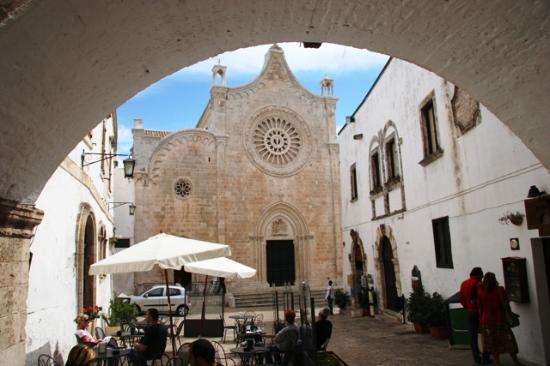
437, 314
341, 299
418, 306
121, 311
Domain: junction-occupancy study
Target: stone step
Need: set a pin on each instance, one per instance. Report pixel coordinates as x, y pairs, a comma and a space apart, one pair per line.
265, 299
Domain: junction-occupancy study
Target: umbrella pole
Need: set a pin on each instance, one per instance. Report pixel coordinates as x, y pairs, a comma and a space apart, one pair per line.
172, 335
203, 313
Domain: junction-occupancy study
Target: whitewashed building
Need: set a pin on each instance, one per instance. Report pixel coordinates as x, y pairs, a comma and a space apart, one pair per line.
75, 232
432, 179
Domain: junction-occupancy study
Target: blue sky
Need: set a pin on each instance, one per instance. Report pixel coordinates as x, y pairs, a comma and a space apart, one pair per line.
177, 101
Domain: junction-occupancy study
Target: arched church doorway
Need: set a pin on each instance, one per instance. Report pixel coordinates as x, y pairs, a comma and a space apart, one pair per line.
280, 266
359, 270
88, 298
388, 272
358, 263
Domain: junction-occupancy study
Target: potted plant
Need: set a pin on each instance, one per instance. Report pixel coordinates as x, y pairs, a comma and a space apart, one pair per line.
437, 317
418, 308
341, 299
120, 312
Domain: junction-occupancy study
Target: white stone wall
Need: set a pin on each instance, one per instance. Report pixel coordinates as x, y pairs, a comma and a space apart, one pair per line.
482, 175
124, 226
52, 300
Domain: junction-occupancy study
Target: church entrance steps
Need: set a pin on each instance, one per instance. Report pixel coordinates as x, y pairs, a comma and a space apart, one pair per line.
265, 299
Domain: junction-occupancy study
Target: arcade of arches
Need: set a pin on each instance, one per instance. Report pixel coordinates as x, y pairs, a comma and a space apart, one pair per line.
65, 67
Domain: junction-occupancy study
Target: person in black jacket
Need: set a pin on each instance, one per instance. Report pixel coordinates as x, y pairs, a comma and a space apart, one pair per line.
153, 342
323, 329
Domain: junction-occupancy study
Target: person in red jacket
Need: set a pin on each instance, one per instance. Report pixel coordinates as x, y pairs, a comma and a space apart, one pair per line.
468, 299
497, 335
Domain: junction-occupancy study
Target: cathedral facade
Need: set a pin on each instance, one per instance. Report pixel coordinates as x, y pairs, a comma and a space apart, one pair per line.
260, 172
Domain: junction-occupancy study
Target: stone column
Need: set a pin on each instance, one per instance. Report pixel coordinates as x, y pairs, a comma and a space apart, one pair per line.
17, 223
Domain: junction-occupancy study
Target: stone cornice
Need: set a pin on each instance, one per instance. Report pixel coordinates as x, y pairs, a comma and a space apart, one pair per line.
76, 172
17, 220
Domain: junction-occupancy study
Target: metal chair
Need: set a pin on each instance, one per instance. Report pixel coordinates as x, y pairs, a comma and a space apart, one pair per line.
221, 356
232, 328
178, 335
99, 333
174, 361
46, 360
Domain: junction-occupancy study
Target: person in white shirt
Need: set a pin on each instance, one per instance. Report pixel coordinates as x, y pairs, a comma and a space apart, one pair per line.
330, 297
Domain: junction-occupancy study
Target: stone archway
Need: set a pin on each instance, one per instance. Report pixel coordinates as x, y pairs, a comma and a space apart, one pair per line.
282, 222
385, 254
85, 256
83, 71
358, 263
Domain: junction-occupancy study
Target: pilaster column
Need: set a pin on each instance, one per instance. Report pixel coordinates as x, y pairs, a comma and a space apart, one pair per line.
17, 223
221, 143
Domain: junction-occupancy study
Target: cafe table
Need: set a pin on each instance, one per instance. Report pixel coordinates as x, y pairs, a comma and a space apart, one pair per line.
112, 357
252, 356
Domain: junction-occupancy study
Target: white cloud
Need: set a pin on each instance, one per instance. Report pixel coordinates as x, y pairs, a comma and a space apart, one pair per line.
329, 59
125, 139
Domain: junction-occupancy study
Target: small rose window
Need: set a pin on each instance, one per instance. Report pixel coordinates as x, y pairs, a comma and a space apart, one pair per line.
183, 188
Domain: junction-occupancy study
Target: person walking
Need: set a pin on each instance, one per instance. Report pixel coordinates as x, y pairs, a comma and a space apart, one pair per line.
329, 296
497, 335
468, 299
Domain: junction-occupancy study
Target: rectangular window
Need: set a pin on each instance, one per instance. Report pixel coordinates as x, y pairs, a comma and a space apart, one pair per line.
429, 129
122, 243
442, 242
391, 160
353, 182
375, 171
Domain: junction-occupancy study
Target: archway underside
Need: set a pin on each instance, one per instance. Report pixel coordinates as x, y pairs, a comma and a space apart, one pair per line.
63, 68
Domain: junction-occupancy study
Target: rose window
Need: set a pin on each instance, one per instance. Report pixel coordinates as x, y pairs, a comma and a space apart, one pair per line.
183, 188
276, 141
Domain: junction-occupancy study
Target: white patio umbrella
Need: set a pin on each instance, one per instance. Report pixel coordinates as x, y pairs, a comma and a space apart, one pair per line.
218, 267
221, 267
163, 251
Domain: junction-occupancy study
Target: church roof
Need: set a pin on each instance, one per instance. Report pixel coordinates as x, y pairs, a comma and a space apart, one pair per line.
154, 133
275, 68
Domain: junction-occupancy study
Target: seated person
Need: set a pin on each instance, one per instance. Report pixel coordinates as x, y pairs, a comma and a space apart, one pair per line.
153, 342
323, 329
80, 355
82, 333
286, 339
202, 353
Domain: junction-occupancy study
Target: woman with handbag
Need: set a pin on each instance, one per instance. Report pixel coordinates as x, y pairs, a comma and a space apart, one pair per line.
496, 332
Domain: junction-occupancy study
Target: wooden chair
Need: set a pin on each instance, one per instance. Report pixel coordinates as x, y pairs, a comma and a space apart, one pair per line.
46, 360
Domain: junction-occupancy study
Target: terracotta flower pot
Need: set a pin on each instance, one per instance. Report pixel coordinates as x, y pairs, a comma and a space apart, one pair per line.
439, 332
421, 328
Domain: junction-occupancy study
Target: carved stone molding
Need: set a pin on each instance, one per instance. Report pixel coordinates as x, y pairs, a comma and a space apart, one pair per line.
17, 220
278, 141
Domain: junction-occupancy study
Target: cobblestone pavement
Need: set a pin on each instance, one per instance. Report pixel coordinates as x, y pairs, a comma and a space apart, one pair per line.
383, 341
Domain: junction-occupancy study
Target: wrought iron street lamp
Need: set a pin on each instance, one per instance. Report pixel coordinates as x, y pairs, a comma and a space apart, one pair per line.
131, 206
128, 163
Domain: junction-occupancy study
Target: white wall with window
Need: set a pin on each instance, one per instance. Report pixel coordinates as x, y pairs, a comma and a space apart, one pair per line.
459, 171
77, 224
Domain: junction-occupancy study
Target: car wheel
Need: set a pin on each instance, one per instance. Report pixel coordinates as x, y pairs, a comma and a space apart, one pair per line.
182, 310
138, 309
